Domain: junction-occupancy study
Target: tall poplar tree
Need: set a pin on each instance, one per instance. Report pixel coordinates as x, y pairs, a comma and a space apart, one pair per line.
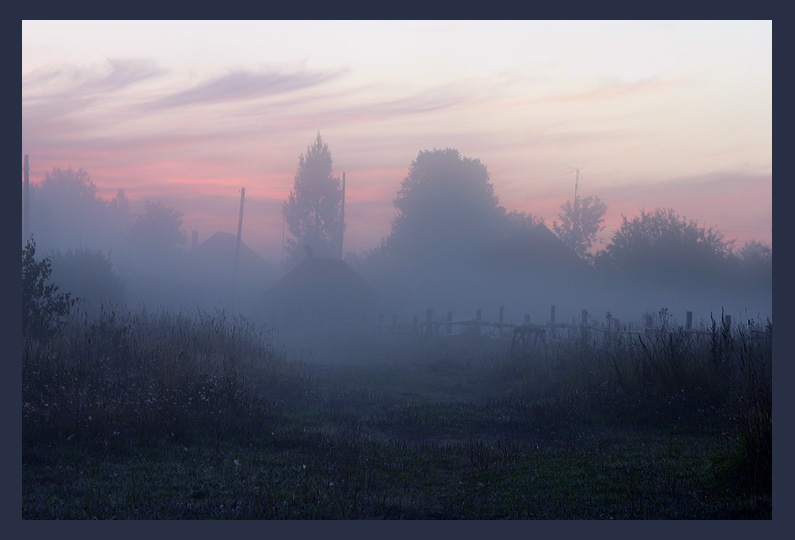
313, 210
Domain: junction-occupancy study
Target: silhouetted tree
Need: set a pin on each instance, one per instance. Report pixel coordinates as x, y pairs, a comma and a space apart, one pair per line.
756, 254
754, 262
66, 213
65, 210
522, 221
89, 275
158, 230
580, 222
446, 206
313, 210
42, 304
662, 244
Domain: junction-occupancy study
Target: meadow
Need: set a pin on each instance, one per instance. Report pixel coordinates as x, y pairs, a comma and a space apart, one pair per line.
157, 415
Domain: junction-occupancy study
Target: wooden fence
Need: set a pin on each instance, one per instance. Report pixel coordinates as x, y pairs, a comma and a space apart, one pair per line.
526, 333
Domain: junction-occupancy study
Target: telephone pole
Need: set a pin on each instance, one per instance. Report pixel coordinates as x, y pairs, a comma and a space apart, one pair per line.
26, 202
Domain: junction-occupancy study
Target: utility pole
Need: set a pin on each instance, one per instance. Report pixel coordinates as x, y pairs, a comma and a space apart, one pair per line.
576, 177
237, 245
342, 215
26, 202
282, 236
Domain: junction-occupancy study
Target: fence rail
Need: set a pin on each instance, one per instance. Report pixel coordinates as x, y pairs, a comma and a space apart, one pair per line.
520, 334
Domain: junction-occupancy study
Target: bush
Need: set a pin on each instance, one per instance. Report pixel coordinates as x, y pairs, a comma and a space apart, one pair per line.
42, 306
152, 377
89, 275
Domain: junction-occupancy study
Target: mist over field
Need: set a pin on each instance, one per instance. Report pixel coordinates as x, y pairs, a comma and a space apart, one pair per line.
397, 270
473, 337
453, 249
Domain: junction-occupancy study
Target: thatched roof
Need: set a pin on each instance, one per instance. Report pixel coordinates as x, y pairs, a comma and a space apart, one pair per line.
321, 285
219, 250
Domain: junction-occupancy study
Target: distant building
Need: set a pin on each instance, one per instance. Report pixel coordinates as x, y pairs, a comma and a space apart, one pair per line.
214, 274
321, 295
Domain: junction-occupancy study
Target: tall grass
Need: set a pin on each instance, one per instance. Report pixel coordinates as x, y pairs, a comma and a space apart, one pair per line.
152, 377
414, 429
716, 378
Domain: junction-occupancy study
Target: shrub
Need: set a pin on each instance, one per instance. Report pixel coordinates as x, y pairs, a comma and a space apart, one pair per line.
152, 377
42, 306
89, 275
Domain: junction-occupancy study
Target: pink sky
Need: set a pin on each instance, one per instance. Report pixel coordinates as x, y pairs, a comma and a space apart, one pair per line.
670, 114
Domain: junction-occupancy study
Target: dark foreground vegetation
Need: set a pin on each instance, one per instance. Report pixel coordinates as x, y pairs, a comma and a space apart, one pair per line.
177, 416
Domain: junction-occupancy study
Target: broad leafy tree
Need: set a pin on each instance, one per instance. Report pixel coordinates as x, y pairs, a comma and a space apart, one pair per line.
42, 305
313, 210
158, 230
662, 244
66, 213
446, 206
89, 275
580, 222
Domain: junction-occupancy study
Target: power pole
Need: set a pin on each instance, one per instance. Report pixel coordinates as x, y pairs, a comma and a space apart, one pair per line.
25, 202
576, 177
342, 215
282, 236
237, 245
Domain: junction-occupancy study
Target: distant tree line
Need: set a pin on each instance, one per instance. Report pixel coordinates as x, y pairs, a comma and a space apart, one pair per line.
448, 222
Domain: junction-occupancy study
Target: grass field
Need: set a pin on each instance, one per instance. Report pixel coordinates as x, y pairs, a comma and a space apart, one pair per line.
163, 416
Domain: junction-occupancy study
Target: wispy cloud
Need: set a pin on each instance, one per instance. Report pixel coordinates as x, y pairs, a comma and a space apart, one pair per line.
365, 109
115, 75
611, 92
244, 85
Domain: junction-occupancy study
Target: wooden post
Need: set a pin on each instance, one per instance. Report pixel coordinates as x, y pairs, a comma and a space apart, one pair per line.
26, 202
552, 314
237, 247
648, 329
449, 322
689, 320
342, 215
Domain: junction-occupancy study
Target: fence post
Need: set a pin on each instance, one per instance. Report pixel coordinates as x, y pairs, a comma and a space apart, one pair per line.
649, 328
449, 322
584, 324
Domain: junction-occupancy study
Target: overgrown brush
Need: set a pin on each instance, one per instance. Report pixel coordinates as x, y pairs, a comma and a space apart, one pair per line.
717, 378
152, 376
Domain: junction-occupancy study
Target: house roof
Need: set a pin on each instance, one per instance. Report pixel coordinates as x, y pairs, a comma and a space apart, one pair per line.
323, 279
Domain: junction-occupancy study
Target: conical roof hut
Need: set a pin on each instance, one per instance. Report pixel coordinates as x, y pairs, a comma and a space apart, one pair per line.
321, 292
